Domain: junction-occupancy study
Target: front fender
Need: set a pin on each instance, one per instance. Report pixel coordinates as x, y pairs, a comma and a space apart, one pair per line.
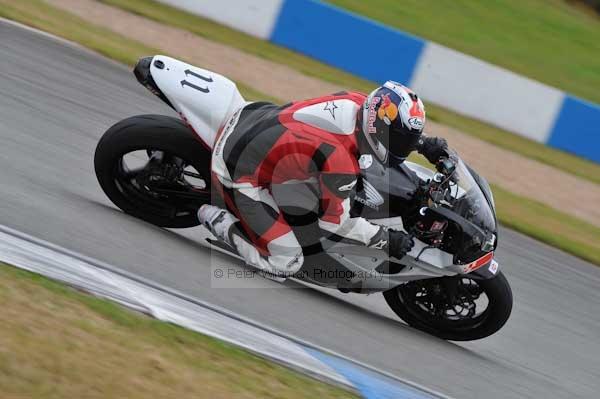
485, 272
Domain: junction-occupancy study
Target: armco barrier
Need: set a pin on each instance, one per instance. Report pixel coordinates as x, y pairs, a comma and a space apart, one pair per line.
443, 76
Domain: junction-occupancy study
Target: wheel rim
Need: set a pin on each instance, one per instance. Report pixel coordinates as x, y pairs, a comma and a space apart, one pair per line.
161, 182
450, 303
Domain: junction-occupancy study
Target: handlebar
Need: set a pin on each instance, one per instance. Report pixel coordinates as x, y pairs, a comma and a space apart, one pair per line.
437, 189
446, 166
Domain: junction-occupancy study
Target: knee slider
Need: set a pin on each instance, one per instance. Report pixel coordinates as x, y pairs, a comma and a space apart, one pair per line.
295, 264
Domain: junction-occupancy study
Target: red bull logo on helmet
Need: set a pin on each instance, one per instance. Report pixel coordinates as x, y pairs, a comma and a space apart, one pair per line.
388, 111
372, 115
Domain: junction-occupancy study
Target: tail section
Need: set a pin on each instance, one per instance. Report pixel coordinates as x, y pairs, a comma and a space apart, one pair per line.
204, 99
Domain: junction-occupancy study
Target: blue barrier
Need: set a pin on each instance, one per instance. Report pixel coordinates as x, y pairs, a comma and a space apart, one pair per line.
377, 52
577, 128
347, 41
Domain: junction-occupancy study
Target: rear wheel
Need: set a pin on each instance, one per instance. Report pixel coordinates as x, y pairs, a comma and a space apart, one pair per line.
154, 168
454, 308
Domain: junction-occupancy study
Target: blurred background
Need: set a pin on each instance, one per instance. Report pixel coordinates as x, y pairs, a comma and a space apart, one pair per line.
512, 84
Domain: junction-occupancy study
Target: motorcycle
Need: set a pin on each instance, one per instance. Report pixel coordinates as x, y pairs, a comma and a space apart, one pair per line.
157, 168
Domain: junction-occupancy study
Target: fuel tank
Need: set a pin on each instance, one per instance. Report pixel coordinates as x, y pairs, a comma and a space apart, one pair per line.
382, 192
386, 192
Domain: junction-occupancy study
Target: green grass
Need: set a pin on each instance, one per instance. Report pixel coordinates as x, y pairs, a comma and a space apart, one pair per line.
533, 218
564, 161
547, 40
61, 343
219, 33
542, 222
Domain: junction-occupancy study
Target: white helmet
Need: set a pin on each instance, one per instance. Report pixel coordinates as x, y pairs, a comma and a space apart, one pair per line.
393, 119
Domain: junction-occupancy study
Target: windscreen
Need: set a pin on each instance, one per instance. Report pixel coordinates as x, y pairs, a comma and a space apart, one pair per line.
469, 201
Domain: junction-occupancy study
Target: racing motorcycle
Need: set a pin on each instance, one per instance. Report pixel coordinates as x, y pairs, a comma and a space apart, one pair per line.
157, 168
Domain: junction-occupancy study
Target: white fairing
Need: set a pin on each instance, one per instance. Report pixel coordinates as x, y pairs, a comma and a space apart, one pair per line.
205, 99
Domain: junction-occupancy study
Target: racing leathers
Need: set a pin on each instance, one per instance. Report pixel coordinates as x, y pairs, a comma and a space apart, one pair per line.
312, 141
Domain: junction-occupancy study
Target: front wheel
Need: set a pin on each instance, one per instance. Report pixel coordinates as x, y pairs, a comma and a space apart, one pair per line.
455, 308
154, 168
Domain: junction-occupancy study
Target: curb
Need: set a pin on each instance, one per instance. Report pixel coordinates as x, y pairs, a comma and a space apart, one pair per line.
107, 281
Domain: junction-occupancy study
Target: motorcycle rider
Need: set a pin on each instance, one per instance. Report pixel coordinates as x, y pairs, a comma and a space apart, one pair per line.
317, 140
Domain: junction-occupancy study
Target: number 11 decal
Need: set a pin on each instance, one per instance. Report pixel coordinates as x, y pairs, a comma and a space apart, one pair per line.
193, 86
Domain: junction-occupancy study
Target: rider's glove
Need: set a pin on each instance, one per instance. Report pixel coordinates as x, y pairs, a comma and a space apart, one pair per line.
395, 243
400, 243
433, 148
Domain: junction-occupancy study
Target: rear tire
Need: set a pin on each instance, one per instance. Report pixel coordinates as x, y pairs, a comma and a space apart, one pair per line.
150, 132
498, 310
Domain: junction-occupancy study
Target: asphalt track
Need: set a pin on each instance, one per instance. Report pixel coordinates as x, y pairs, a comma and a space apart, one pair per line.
56, 100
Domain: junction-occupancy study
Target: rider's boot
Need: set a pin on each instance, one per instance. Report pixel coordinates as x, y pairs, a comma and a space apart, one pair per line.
221, 224
218, 221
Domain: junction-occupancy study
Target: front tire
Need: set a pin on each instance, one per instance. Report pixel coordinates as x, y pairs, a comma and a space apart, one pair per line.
135, 194
415, 303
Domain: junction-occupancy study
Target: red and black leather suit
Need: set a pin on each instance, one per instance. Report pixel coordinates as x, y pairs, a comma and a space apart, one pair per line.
306, 141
